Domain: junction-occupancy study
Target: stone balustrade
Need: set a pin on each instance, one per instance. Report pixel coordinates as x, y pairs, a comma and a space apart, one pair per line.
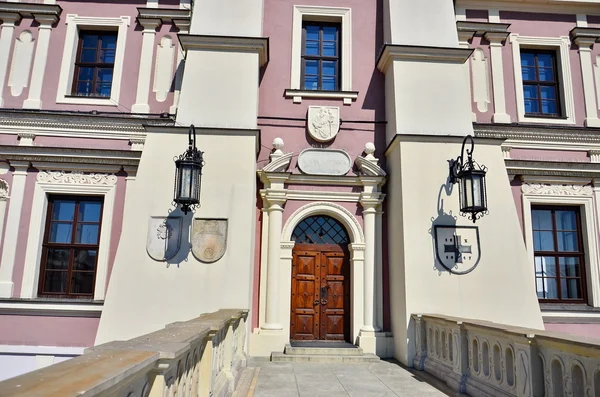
486, 359
202, 357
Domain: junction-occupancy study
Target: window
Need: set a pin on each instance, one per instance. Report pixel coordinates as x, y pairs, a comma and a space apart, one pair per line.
540, 83
558, 254
95, 63
70, 247
321, 56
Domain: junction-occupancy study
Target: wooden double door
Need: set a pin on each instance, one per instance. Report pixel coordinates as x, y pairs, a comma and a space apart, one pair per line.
320, 293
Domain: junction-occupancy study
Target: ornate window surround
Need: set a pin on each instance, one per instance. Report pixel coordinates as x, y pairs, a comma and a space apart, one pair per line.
572, 195
65, 82
318, 13
74, 183
565, 79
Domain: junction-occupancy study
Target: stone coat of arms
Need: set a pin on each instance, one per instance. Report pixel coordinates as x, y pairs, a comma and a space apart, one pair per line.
209, 239
457, 248
323, 122
164, 237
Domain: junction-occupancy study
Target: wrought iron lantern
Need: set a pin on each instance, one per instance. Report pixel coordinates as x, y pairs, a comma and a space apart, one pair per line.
188, 174
470, 177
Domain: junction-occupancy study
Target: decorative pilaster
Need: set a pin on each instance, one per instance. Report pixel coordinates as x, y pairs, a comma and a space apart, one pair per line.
369, 205
13, 222
6, 39
463, 41
184, 27
497, 40
585, 38
4, 190
145, 71
34, 101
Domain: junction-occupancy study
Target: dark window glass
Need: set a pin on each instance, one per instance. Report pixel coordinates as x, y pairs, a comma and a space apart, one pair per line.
94, 64
540, 83
558, 252
320, 229
70, 248
321, 56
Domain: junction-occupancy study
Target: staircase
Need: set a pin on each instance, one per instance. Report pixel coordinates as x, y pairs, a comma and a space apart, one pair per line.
323, 352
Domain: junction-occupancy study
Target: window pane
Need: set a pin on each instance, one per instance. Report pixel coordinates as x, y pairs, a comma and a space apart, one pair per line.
543, 241
57, 259
546, 288
567, 241
105, 75
85, 260
545, 61
87, 234
90, 40
329, 68
312, 48
530, 91
328, 83
548, 92
86, 74
107, 56
570, 288
84, 89
329, 48
329, 33
103, 89
82, 283
549, 107
55, 282
312, 32
545, 266
311, 82
89, 211
109, 41
546, 74
528, 74
569, 267
311, 67
542, 219
88, 55
60, 233
532, 106
527, 59
63, 210
566, 220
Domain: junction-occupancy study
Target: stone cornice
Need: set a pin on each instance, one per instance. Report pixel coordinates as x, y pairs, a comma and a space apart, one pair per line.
30, 10
37, 154
259, 45
540, 134
553, 168
392, 52
585, 36
164, 14
482, 27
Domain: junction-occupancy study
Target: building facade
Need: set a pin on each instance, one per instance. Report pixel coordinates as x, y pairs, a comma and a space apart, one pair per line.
327, 128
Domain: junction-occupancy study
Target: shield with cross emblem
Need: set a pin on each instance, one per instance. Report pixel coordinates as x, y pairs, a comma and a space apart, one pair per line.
457, 248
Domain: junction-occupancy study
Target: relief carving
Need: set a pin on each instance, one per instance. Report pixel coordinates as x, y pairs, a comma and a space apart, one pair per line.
77, 178
556, 190
3, 190
323, 122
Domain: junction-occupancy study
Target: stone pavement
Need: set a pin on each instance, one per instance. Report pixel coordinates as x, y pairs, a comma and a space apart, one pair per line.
381, 379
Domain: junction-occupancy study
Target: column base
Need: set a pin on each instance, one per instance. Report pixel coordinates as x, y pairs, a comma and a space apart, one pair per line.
32, 104
592, 122
271, 327
6, 289
378, 343
501, 118
264, 342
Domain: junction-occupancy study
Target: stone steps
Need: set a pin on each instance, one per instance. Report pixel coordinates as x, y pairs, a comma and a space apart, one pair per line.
323, 355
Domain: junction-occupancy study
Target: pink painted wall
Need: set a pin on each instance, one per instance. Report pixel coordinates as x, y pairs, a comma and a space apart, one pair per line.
48, 331
585, 330
100, 8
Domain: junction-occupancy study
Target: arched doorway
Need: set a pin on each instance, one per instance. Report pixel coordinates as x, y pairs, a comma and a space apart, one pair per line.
320, 304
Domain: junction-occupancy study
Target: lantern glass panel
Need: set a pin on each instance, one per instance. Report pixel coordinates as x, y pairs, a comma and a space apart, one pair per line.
472, 191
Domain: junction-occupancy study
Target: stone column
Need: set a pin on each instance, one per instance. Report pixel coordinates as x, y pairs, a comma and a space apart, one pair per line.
148, 44
6, 39
4, 191
369, 214
496, 44
379, 268
34, 101
586, 44
275, 210
13, 222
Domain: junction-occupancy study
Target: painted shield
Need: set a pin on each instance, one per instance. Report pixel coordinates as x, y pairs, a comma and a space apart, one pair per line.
457, 248
323, 122
164, 237
209, 239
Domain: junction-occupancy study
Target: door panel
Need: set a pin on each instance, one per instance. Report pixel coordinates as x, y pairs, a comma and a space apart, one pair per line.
334, 312
305, 292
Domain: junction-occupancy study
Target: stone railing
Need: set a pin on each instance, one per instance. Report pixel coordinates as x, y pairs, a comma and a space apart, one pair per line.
202, 357
487, 359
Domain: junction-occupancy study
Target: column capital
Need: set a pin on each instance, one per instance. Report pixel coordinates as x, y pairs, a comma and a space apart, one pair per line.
149, 24
45, 20
370, 202
584, 38
585, 43
9, 18
275, 200
20, 167
496, 38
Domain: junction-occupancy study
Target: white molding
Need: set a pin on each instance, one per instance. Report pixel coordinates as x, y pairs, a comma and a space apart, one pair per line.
61, 183
568, 195
569, 7
53, 308
42, 350
74, 22
20, 67
7, 30
496, 40
298, 95
566, 81
597, 79
587, 74
337, 14
163, 69
480, 79
145, 70
38, 73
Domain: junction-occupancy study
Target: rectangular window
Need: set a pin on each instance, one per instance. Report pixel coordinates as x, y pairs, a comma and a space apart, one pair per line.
558, 254
70, 247
95, 63
540, 83
321, 56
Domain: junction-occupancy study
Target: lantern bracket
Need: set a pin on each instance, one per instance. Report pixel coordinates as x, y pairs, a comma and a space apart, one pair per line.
457, 166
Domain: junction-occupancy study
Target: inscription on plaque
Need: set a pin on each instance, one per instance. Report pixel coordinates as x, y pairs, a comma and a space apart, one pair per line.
324, 162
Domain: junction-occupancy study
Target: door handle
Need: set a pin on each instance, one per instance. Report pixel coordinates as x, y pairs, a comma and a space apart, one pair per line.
324, 295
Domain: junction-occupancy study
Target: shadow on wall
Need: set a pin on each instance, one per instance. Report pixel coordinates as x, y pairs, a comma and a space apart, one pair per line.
442, 218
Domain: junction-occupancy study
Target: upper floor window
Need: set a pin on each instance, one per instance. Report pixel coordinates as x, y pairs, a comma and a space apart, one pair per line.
70, 247
558, 254
321, 56
95, 63
540, 83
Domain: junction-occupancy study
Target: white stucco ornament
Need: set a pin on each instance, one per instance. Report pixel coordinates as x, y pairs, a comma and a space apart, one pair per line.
324, 162
209, 239
164, 237
457, 248
323, 122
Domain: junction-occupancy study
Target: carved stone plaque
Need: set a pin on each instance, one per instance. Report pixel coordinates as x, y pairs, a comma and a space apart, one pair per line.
209, 239
323, 122
324, 162
164, 237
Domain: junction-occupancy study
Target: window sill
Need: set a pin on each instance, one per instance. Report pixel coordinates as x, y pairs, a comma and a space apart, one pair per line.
52, 307
347, 96
81, 100
546, 120
570, 313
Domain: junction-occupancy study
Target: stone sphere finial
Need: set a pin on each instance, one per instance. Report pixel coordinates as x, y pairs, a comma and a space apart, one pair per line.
369, 148
278, 144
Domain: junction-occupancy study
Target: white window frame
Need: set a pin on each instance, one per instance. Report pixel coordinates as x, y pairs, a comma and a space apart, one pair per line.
589, 234
561, 43
65, 83
39, 208
329, 14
